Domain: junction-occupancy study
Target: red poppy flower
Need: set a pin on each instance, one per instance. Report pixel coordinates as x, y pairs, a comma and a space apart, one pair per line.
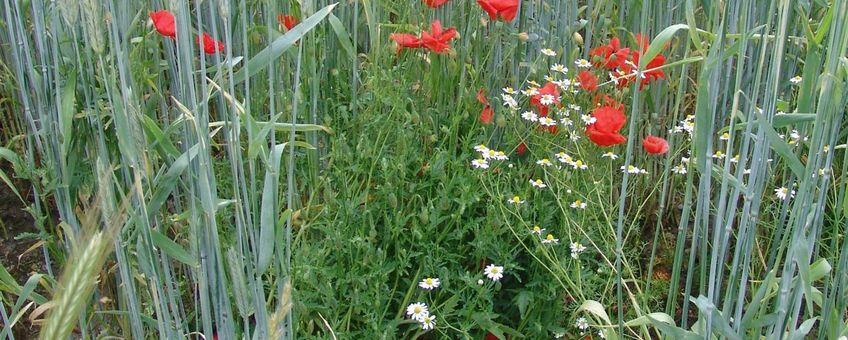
487, 114
655, 145
608, 121
405, 40
435, 3
490, 336
651, 75
587, 80
549, 89
164, 23
288, 21
610, 56
506, 9
437, 39
209, 45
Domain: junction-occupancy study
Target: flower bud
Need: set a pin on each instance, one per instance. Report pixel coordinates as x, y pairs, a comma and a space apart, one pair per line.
578, 38
523, 36
500, 121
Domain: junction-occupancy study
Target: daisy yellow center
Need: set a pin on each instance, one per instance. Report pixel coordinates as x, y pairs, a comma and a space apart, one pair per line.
719, 154
537, 229
577, 202
492, 152
429, 281
784, 190
417, 309
550, 237
578, 163
630, 167
516, 198
726, 135
494, 270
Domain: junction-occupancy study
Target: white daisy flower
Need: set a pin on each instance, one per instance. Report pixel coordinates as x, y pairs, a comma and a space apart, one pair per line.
547, 99
563, 84
501, 156
574, 137
581, 324
550, 239
493, 272
735, 159
746, 172
480, 163
559, 335
530, 91
684, 160
826, 148
574, 107
718, 154
588, 119
533, 83
509, 101
417, 310
578, 204
548, 52
633, 170
610, 155
679, 169
578, 165
601, 334
795, 80
724, 136
544, 162
429, 283
489, 154
784, 192
566, 122
530, 116
559, 68
509, 90
515, 200
582, 63
537, 230
481, 148
428, 321
576, 249
547, 121
538, 183
550, 78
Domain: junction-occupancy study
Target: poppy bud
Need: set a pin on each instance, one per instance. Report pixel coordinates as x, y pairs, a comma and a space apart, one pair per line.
500, 121
523, 36
334, 72
521, 149
578, 38
393, 200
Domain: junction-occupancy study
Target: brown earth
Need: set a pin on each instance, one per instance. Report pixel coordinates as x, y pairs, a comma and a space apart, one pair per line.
14, 220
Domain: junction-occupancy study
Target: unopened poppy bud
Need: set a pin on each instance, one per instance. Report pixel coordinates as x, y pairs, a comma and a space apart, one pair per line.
392, 200
578, 38
500, 121
597, 59
334, 72
523, 36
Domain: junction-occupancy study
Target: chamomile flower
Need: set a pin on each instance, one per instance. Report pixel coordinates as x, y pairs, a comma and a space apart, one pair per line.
718, 154
576, 249
826, 148
428, 321
493, 272
579, 165
564, 158
548, 52
550, 78
489, 154
533, 83
536, 230
588, 119
544, 162
481, 148
538, 184
633, 170
417, 311
529, 115
746, 172
547, 121
735, 159
550, 239
566, 122
610, 155
581, 324
547, 99
574, 107
429, 283
724, 136
601, 334
784, 192
578, 204
582, 63
509, 91
679, 169
480, 163
530, 91
509, 101
515, 200
559, 68
563, 84
501, 156
795, 80
559, 335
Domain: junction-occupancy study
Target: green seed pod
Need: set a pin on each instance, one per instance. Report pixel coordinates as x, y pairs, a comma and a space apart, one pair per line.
393, 203
500, 121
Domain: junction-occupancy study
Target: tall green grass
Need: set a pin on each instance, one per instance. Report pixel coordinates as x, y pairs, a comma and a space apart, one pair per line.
302, 182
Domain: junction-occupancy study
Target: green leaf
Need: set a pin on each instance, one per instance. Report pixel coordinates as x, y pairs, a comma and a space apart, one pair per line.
780, 146
164, 185
342, 35
595, 308
173, 249
67, 111
649, 319
280, 45
658, 44
792, 119
268, 210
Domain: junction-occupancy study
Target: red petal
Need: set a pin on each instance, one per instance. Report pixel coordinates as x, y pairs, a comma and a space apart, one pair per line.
487, 6
655, 145
487, 115
164, 23
435, 3
481, 97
